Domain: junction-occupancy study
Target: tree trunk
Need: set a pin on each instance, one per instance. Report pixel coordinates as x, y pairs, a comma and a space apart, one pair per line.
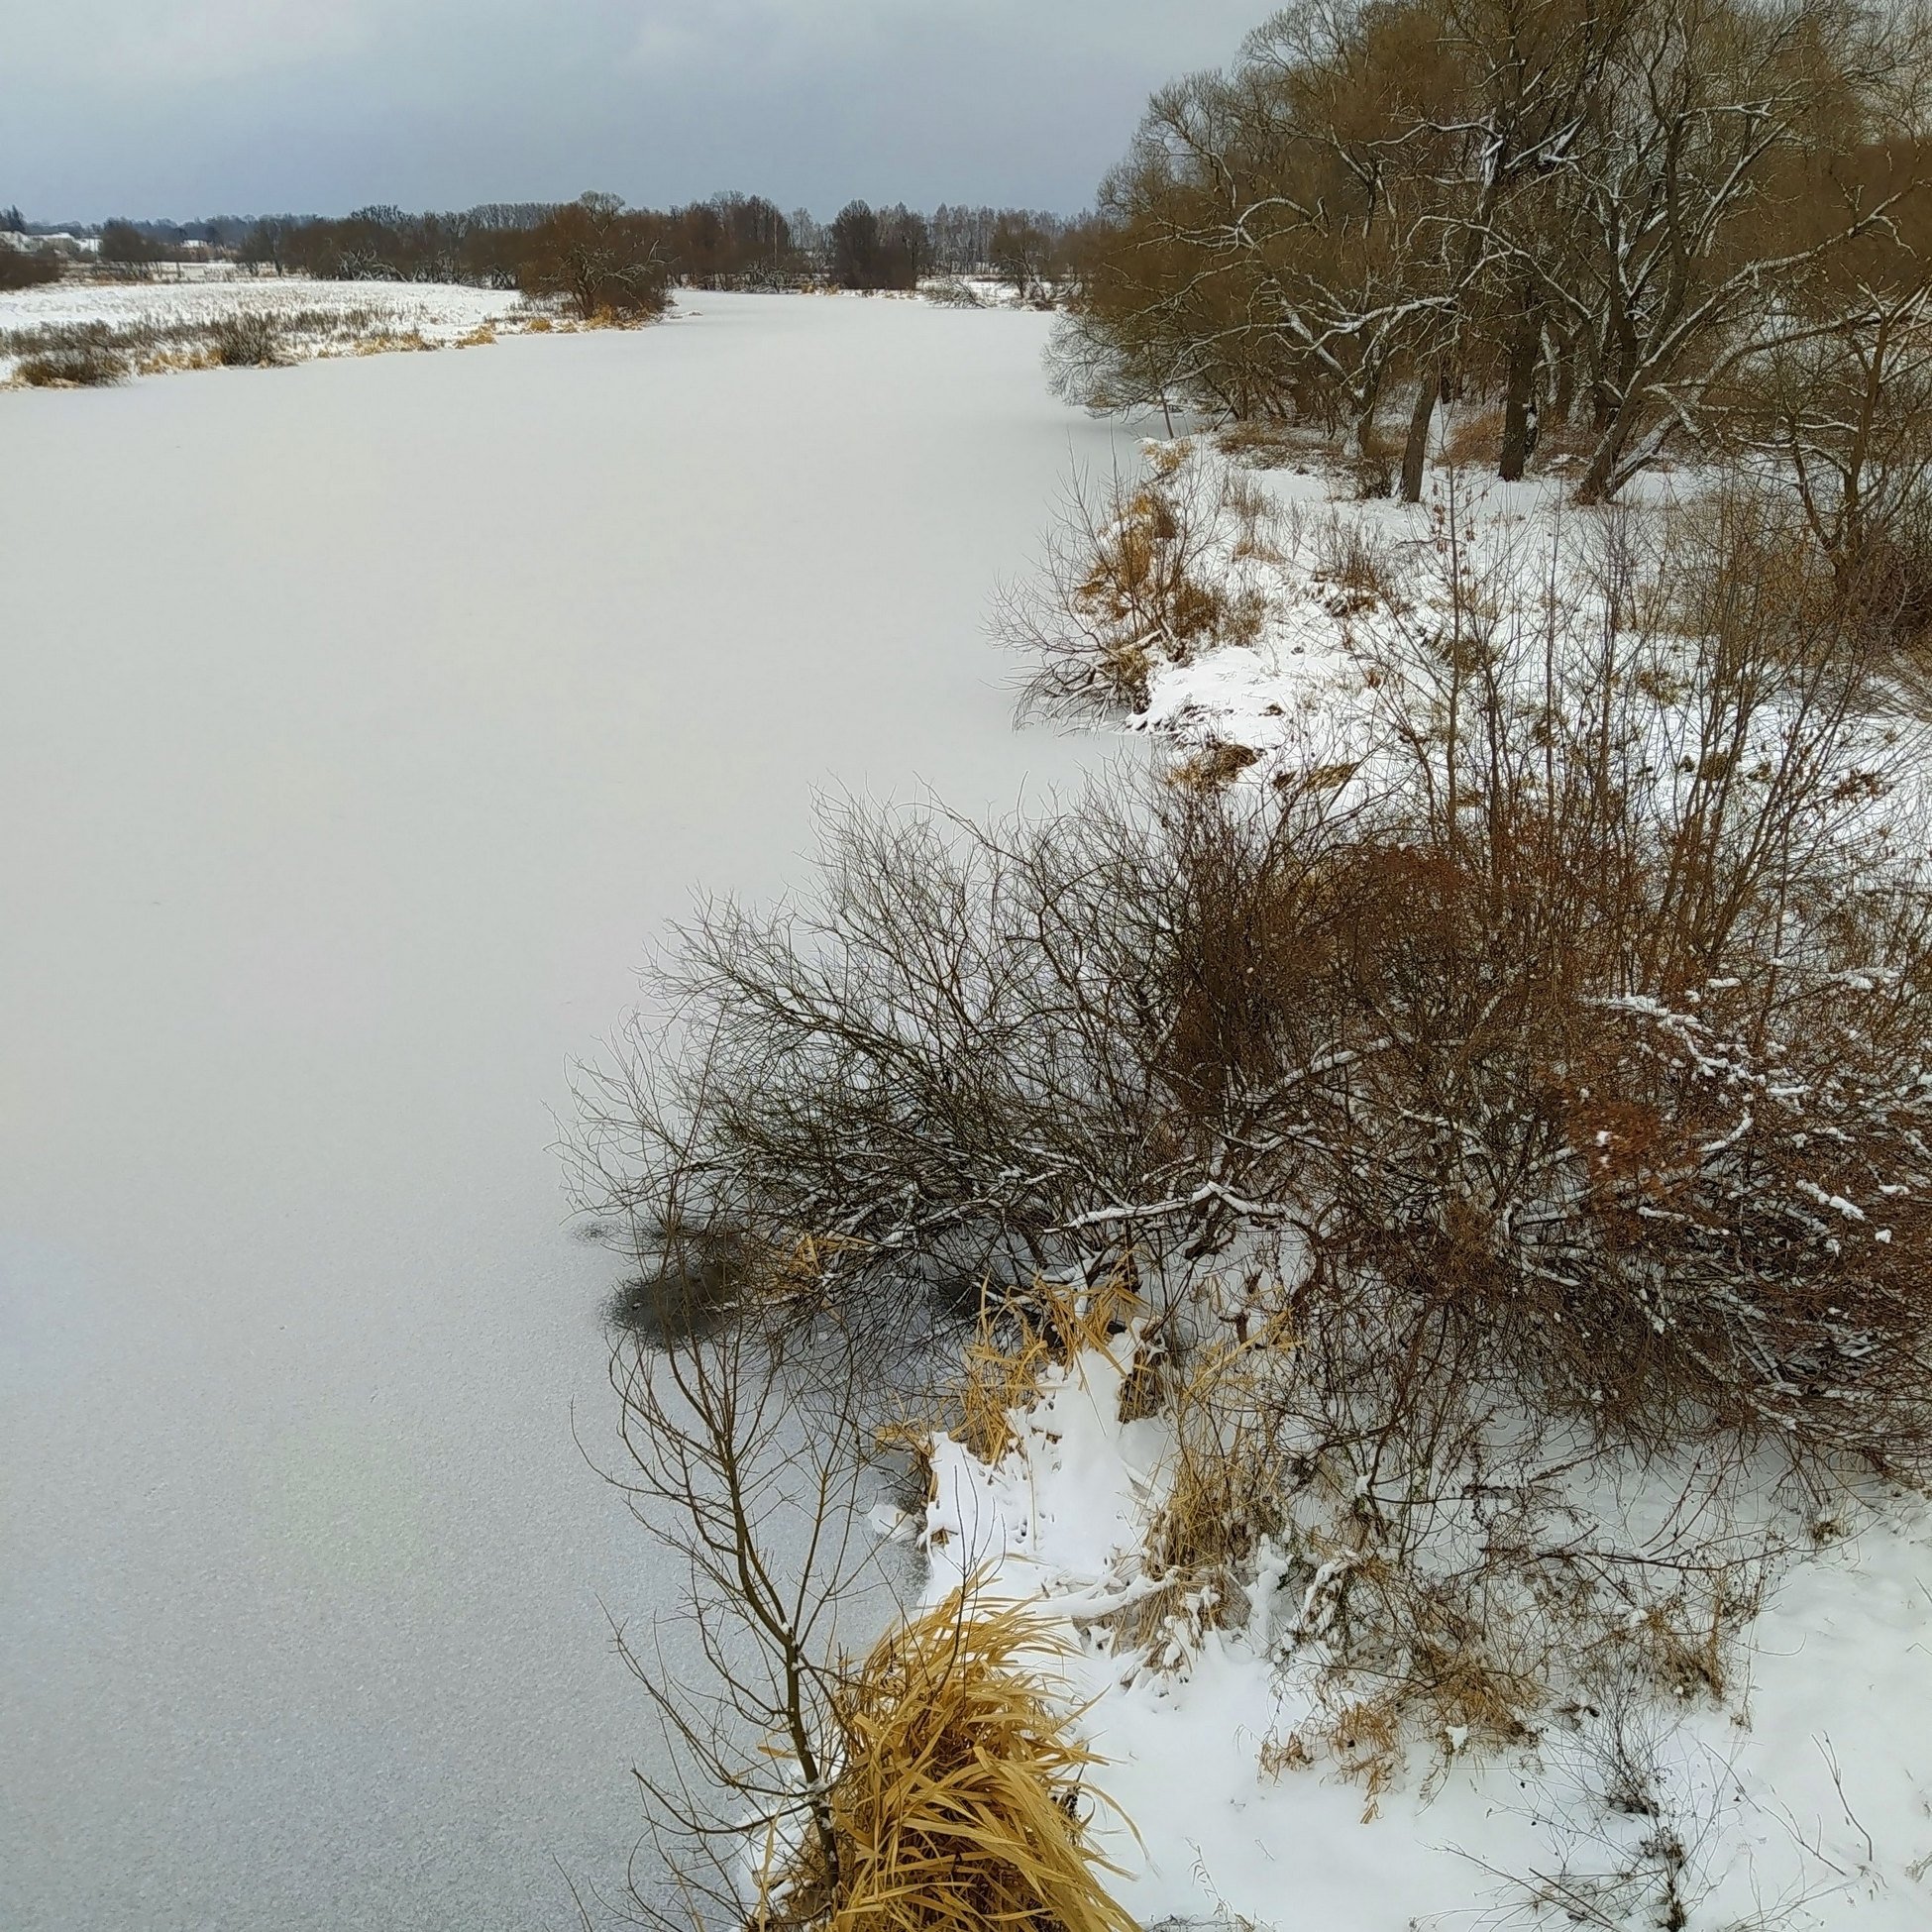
1415, 452
1519, 395
1566, 397
1595, 486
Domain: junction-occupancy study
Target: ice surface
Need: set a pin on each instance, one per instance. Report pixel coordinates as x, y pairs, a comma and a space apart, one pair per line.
360, 726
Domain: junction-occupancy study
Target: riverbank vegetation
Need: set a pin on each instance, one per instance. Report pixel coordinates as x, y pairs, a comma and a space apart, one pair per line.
1398, 1235
1604, 220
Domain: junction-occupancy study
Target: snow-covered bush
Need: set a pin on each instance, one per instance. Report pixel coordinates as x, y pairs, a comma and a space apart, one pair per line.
1579, 1035
1510, 1100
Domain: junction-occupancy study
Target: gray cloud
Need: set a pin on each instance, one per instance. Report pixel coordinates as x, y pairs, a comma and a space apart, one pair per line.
188, 107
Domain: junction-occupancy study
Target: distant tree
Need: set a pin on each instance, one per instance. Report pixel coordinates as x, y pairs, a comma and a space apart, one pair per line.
597, 256
891, 248
26, 268
266, 245
124, 245
855, 246
12, 221
757, 238
1020, 253
811, 238
904, 248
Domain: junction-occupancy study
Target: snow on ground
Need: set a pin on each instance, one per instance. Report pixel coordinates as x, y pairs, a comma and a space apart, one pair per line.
361, 723
1803, 1798
440, 312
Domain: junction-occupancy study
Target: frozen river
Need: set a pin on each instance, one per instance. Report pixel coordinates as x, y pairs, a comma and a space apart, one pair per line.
360, 725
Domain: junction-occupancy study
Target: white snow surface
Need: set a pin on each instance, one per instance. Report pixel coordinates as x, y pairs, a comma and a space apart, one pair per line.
441, 312
1805, 1797
360, 726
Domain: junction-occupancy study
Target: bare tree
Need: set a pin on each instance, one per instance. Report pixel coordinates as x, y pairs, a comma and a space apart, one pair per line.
596, 256
1611, 205
1709, 119
749, 1450
1845, 417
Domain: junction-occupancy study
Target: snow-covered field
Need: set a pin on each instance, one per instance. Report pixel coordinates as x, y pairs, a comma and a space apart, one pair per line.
440, 312
361, 723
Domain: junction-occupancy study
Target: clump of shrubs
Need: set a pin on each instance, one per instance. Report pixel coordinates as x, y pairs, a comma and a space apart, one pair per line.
1139, 576
1526, 1120
249, 339
1579, 1048
81, 364
28, 267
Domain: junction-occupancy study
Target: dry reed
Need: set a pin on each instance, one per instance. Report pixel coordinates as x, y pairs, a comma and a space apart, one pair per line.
959, 1805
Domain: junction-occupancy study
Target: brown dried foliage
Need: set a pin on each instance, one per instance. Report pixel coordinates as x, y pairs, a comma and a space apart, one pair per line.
958, 1801
1132, 579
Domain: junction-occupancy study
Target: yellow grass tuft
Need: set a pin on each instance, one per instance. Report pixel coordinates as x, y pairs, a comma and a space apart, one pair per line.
959, 1807
1474, 437
1231, 1458
1021, 1336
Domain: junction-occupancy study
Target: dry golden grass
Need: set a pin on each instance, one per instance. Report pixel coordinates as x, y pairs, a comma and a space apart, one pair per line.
1230, 1459
1261, 445
1474, 437
388, 341
1002, 1378
1167, 460
1020, 1338
1211, 770
959, 1804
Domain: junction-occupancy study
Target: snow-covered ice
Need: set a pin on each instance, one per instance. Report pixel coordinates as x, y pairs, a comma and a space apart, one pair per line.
361, 723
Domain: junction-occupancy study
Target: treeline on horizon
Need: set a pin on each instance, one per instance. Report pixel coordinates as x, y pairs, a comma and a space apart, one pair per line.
728, 240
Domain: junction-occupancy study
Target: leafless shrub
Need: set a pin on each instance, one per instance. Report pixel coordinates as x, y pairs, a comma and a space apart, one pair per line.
745, 1454
1642, 1826
950, 292
28, 267
1358, 564
1841, 420
1581, 1044
1474, 437
1557, 1092
933, 1784
81, 366
248, 339
1374, 471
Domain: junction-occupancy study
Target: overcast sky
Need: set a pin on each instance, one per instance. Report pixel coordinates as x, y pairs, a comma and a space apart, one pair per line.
181, 108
